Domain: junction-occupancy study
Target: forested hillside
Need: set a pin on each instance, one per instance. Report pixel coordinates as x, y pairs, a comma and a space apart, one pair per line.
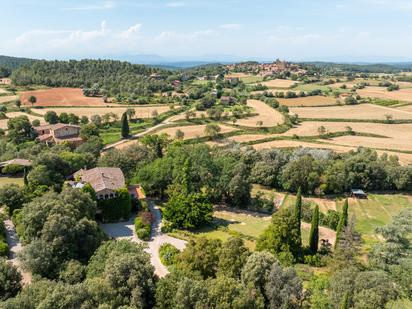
8, 64
114, 77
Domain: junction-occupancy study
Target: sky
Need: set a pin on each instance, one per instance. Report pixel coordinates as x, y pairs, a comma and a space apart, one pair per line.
296, 30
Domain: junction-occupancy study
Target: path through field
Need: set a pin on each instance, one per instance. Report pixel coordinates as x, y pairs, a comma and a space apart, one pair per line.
125, 230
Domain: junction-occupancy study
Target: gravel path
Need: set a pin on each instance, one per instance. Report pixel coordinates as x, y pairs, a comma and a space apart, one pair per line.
14, 248
125, 230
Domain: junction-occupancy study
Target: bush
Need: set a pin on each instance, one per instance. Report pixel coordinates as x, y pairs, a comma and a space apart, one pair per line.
4, 248
168, 254
143, 225
314, 260
12, 169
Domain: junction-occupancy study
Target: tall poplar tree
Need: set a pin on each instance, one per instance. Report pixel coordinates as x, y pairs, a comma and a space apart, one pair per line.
125, 126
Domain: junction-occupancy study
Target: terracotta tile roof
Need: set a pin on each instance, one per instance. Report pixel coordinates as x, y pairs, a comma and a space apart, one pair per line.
137, 191
101, 178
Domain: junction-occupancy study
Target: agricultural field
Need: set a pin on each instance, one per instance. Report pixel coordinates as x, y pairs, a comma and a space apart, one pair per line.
60, 97
406, 108
141, 111
404, 94
3, 122
308, 101
279, 83
251, 79
8, 98
193, 131
268, 116
355, 112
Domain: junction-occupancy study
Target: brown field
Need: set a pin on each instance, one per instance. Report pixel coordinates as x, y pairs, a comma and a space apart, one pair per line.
397, 136
5, 99
193, 131
362, 111
269, 116
279, 83
308, 101
381, 93
61, 97
406, 108
182, 116
404, 158
141, 112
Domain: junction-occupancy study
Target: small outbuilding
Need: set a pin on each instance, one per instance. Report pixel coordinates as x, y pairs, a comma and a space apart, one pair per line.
358, 193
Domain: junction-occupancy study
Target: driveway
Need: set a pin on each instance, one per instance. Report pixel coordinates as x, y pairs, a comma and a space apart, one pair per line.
125, 230
14, 248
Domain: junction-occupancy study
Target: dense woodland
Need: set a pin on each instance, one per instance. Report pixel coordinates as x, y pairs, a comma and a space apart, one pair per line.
112, 77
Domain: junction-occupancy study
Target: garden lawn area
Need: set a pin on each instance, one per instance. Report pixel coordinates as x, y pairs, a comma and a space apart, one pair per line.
9, 180
374, 212
251, 79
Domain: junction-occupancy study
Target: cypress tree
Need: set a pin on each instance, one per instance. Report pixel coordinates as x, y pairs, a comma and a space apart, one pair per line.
345, 301
125, 126
343, 222
314, 231
26, 182
298, 213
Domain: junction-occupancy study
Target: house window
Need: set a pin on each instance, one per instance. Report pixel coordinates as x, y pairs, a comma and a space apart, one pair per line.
100, 197
106, 196
111, 195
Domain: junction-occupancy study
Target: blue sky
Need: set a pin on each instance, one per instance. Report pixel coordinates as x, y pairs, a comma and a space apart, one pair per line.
345, 30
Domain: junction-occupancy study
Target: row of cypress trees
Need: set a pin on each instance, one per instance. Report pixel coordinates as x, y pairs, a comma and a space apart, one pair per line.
314, 228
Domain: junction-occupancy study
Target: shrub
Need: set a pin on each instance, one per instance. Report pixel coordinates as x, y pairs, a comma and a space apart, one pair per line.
4, 249
12, 169
314, 260
168, 254
143, 225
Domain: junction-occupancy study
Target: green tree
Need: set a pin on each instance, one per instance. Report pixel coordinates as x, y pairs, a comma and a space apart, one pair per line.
283, 288
89, 130
232, 258
32, 99
314, 231
345, 301
10, 280
201, 256
156, 143
298, 213
257, 269
125, 126
188, 211
343, 222
281, 237
51, 117
212, 130
20, 130
12, 196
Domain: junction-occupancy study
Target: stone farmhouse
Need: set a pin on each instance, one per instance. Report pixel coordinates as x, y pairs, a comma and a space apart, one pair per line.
59, 133
105, 181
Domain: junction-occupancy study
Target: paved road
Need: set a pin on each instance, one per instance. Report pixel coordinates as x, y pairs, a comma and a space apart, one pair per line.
125, 230
14, 248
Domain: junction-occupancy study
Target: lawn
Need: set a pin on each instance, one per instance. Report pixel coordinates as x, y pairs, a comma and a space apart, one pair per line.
376, 211
251, 79
9, 180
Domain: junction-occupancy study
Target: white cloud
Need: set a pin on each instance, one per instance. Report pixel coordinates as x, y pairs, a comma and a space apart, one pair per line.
131, 32
231, 26
107, 5
175, 4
